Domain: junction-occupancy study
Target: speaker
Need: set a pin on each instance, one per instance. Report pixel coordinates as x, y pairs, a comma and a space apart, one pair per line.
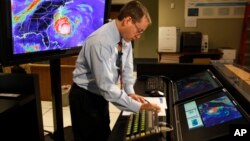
191, 42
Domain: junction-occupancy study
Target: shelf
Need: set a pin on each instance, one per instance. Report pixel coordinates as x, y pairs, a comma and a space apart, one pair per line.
8, 104
20, 117
189, 57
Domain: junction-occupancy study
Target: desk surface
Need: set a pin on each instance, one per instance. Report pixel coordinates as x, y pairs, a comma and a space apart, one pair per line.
244, 75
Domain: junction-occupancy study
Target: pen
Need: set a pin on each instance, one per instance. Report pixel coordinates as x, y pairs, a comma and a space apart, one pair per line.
146, 100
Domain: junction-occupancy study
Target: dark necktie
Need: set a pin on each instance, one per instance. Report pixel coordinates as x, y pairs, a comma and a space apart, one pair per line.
119, 62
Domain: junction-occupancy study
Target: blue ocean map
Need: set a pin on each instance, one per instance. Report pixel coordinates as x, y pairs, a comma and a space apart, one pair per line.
41, 25
218, 111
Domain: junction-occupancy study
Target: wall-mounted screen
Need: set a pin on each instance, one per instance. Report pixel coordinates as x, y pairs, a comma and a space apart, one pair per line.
41, 29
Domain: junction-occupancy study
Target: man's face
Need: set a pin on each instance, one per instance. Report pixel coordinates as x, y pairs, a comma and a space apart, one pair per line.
133, 30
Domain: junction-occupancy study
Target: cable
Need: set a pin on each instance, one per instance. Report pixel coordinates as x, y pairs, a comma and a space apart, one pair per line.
166, 128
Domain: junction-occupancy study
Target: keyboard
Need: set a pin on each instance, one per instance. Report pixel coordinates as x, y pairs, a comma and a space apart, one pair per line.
142, 125
154, 86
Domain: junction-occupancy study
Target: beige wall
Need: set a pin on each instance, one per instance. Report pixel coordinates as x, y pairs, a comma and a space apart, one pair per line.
221, 32
146, 46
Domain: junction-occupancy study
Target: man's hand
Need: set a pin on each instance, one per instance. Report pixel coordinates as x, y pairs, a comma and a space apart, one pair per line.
137, 98
145, 105
150, 106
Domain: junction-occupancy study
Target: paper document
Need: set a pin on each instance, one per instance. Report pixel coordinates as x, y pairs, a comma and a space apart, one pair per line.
160, 101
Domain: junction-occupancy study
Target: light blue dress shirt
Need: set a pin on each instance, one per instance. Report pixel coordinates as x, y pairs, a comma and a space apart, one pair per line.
96, 68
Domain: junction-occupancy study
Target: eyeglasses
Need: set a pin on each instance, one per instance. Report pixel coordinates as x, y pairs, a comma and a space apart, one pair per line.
139, 31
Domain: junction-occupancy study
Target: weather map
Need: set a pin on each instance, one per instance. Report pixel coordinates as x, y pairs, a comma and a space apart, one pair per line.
195, 84
217, 111
42, 25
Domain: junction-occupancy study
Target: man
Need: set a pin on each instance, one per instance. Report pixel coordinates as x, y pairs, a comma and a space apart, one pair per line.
98, 71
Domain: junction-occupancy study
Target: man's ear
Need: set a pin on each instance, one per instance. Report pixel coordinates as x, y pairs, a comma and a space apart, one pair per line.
126, 21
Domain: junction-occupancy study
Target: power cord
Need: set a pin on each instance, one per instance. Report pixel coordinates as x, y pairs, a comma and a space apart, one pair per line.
165, 127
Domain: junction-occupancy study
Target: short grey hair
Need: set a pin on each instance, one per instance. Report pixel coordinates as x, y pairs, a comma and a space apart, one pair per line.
136, 10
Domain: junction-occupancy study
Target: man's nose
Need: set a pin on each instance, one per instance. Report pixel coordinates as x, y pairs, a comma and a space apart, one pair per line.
138, 36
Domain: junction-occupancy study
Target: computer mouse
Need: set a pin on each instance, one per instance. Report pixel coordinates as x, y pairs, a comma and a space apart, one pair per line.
160, 93
162, 123
155, 93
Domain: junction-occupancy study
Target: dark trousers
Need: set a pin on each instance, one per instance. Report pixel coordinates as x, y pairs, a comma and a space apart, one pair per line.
89, 115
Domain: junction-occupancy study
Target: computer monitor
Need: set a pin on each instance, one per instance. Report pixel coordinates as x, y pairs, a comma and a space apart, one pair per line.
195, 84
209, 117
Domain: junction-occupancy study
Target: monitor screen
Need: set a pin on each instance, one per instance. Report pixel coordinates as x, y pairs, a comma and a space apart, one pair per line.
46, 28
218, 111
196, 84
210, 116
210, 113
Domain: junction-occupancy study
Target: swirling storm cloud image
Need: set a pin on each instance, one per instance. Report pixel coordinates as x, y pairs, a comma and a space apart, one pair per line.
195, 84
218, 111
41, 25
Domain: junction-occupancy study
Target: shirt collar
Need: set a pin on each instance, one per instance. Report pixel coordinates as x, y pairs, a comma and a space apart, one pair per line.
117, 35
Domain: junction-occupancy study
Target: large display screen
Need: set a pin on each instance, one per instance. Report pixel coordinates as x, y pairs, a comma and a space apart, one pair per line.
34, 29
40, 25
196, 84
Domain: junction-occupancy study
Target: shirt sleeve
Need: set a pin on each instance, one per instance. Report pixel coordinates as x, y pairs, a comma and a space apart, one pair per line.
128, 69
99, 58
